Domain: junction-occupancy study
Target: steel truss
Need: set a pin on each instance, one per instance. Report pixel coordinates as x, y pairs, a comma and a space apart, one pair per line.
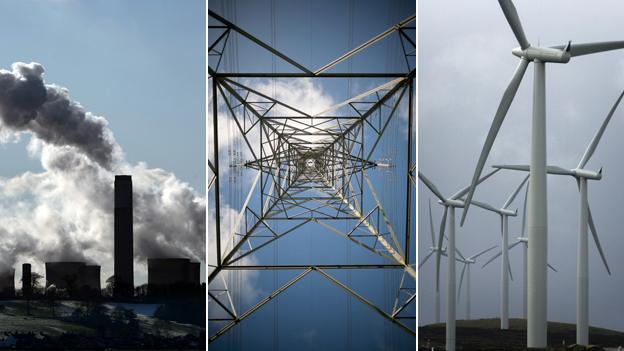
310, 168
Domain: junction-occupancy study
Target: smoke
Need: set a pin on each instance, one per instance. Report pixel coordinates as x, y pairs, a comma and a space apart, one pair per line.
27, 104
65, 212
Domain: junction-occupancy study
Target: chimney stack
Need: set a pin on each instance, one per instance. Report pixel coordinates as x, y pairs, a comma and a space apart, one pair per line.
124, 270
26, 280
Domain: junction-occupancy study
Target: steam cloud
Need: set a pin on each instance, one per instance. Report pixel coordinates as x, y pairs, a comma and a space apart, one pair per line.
27, 104
66, 211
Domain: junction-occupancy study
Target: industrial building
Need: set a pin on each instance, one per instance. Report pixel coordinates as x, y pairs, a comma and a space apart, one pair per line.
123, 262
26, 280
172, 277
75, 278
7, 283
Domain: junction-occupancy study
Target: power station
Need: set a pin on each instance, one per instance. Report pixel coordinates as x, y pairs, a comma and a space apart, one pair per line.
167, 277
76, 278
171, 277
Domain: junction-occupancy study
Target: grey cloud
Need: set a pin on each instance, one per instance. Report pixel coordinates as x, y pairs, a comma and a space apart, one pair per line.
28, 104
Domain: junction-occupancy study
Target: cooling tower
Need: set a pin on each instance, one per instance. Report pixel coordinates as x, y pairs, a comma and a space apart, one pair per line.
7, 283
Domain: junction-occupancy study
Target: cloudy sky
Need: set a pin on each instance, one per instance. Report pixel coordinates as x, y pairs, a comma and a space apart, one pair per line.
465, 63
118, 88
313, 314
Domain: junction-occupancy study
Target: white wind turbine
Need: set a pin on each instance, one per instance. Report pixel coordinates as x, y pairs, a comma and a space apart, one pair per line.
585, 219
537, 217
449, 203
467, 262
438, 250
524, 240
504, 212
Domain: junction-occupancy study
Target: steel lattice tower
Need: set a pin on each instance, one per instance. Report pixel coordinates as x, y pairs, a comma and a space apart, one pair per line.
311, 169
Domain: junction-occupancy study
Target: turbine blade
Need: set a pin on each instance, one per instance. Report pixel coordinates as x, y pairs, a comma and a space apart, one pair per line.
526, 168
558, 170
500, 253
592, 227
524, 207
509, 269
499, 117
460, 254
513, 167
438, 253
482, 252
431, 186
596, 139
514, 22
551, 267
485, 206
431, 225
465, 189
591, 48
513, 245
425, 259
515, 193
461, 279
492, 259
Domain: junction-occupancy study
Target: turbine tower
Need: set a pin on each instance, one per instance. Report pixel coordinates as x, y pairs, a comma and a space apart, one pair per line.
537, 218
438, 252
449, 203
585, 219
504, 214
467, 262
521, 240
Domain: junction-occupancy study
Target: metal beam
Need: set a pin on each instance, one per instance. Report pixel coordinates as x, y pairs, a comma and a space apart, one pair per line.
306, 75
215, 130
366, 44
408, 188
258, 41
258, 305
366, 302
322, 266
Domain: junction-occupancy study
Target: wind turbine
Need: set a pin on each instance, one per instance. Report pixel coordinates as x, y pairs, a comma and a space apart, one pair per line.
537, 218
585, 218
504, 214
449, 203
467, 262
524, 240
438, 251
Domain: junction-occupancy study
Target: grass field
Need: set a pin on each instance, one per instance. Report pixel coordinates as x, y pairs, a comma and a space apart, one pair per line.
484, 334
15, 318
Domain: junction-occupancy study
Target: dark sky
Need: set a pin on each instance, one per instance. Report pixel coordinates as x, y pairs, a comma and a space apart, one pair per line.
465, 63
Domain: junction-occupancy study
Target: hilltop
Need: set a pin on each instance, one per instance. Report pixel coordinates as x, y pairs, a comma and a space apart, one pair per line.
484, 334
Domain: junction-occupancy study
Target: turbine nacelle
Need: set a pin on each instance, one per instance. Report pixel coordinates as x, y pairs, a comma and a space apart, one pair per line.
584, 173
544, 54
508, 212
452, 203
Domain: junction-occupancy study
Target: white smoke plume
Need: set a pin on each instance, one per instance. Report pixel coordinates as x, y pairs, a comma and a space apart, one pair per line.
66, 211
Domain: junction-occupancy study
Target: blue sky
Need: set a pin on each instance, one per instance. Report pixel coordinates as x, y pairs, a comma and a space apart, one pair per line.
139, 64
313, 313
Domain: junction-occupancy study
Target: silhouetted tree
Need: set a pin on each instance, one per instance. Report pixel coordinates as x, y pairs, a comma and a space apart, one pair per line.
110, 286
35, 283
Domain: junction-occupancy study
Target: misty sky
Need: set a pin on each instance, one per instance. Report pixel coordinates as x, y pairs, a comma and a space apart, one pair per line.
313, 314
465, 63
140, 66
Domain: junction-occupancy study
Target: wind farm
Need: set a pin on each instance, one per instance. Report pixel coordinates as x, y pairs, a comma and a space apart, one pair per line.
526, 131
